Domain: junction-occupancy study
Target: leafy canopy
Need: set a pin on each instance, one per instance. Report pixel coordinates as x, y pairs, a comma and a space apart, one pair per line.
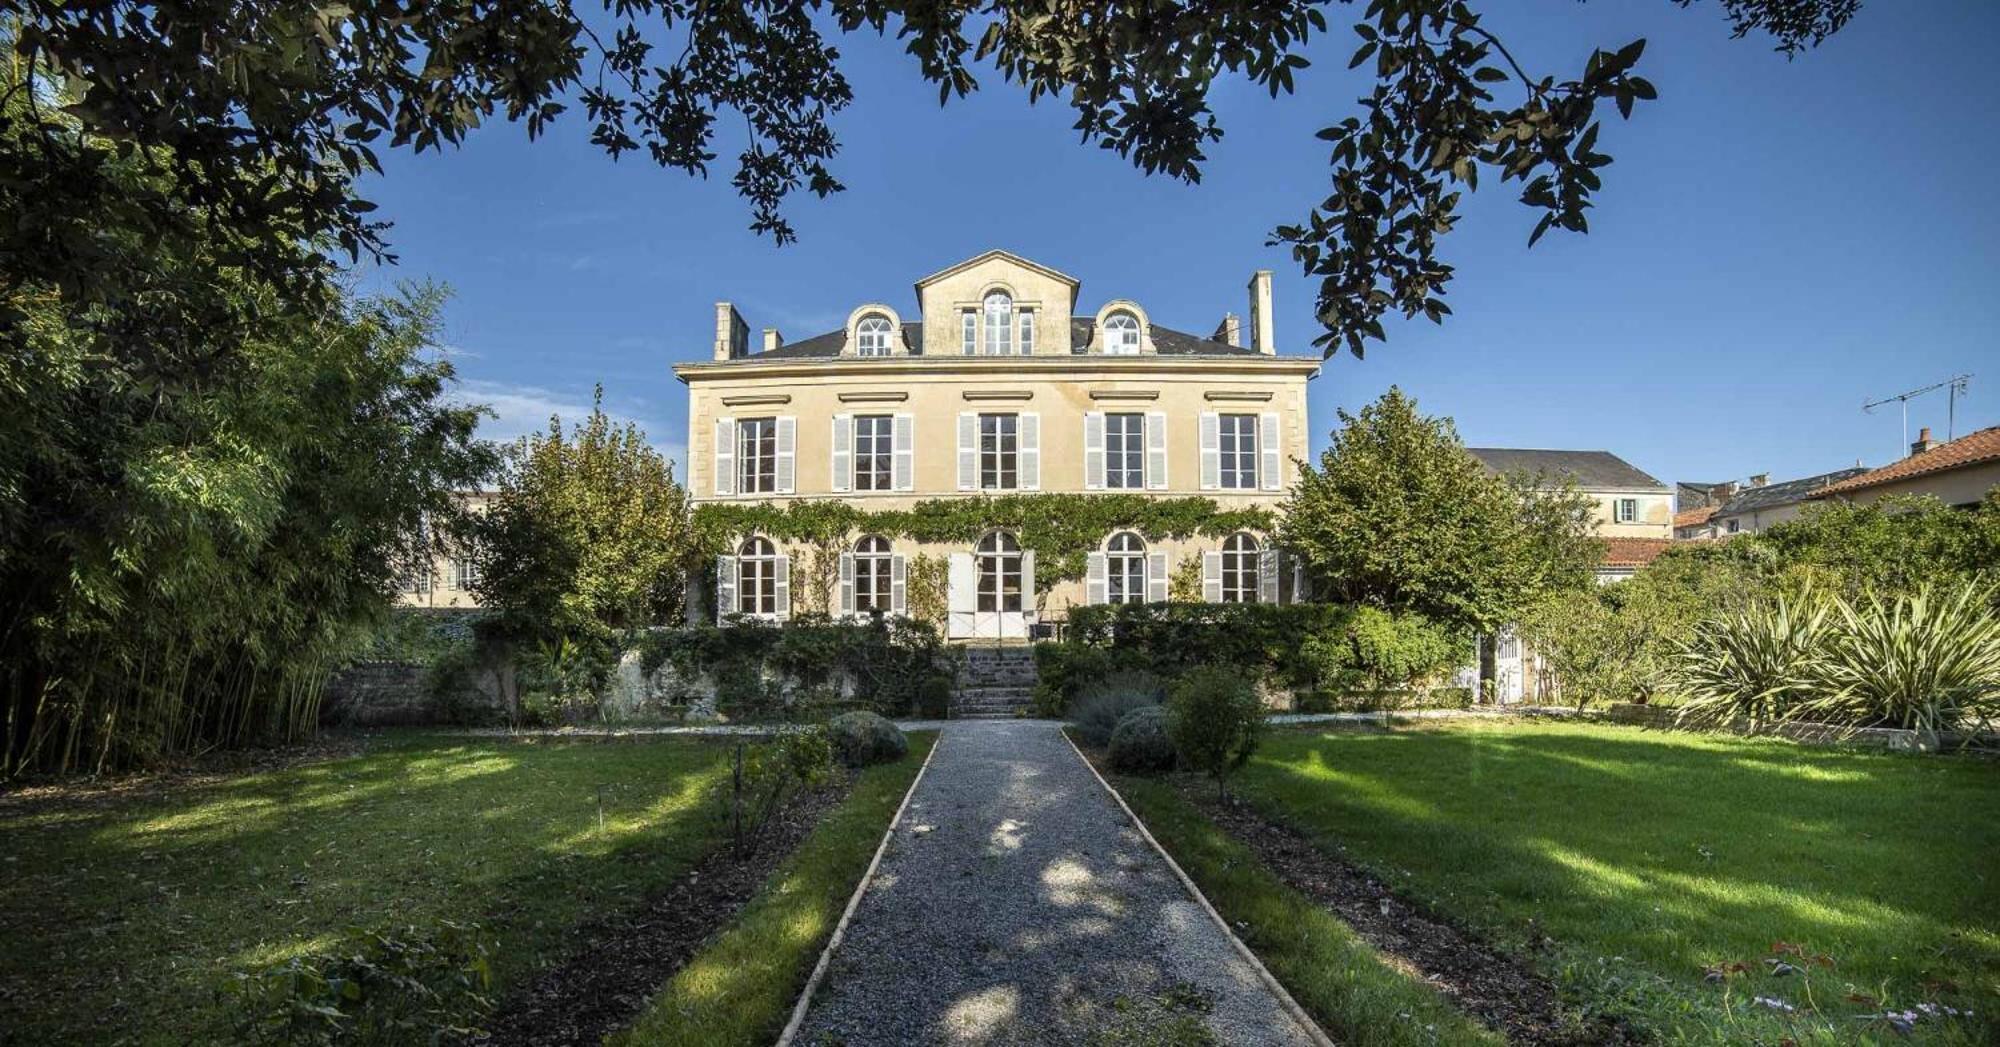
268, 112
1400, 516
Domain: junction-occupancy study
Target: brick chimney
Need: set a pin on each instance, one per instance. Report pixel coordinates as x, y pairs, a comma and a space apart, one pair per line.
1760, 479
1230, 330
772, 339
1924, 442
1262, 337
732, 335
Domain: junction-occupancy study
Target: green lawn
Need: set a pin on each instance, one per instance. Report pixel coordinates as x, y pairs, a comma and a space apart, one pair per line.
740, 989
124, 916
1647, 856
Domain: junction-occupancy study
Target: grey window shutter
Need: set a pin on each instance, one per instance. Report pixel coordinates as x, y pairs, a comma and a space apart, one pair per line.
1028, 582
843, 452
960, 594
788, 446
1267, 576
1031, 451
1299, 593
1156, 577
906, 452
1095, 589
968, 450
1093, 452
1211, 451
1156, 451
846, 584
725, 587
724, 480
899, 586
781, 602
1269, 469
1211, 577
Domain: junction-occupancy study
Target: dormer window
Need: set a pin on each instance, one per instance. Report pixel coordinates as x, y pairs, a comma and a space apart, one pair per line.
1121, 334
999, 311
871, 337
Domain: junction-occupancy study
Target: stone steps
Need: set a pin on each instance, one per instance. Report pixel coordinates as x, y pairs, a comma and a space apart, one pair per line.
994, 683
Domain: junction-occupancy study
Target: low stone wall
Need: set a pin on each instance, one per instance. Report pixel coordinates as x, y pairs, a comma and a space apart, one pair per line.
394, 694
1885, 738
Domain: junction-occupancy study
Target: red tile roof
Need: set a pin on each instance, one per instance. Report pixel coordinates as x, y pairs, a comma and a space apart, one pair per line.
1976, 449
1694, 517
1633, 552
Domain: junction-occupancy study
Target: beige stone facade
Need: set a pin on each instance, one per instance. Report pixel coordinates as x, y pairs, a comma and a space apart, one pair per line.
999, 385
449, 581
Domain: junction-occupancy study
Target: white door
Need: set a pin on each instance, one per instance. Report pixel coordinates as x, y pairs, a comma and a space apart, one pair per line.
1507, 676
962, 580
1001, 585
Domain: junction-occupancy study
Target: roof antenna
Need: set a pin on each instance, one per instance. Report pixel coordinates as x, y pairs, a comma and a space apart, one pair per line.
1956, 384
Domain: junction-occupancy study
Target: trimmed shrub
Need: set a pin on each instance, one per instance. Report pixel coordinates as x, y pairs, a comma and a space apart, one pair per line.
862, 738
1140, 743
1103, 705
1215, 719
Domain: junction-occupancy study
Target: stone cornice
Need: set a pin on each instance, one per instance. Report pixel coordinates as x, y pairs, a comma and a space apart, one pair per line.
1015, 367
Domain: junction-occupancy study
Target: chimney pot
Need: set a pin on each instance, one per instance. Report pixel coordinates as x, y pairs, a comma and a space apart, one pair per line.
1262, 336
1924, 441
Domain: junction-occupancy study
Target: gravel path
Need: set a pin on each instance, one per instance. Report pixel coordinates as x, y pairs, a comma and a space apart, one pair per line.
1017, 904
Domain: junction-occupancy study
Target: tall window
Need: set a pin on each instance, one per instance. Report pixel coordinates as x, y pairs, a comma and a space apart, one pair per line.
1027, 334
757, 455
1121, 334
871, 576
874, 452
464, 573
999, 573
1239, 451
871, 338
1627, 510
418, 580
969, 333
1239, 569
1125, 450
756, 577
1125, 569
999, 324
999, 452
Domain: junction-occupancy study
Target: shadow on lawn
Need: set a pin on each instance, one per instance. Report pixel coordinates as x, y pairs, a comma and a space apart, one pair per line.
1678, 850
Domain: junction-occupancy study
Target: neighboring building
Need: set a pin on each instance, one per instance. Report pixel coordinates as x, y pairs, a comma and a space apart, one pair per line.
1630, 504
999, 385
1624, 556
1957, 473
452, 574
1694, 524
1761, 503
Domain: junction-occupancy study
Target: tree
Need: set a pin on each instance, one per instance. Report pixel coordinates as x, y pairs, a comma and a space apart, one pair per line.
1400, 516
1888, 546
1215, 720
268, 111
588, 537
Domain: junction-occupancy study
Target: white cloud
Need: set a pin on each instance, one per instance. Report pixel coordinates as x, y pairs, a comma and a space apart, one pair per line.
522, 409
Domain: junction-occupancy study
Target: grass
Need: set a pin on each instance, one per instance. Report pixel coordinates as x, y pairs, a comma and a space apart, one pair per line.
126, 915
1649, 856
1338, 978
741, 987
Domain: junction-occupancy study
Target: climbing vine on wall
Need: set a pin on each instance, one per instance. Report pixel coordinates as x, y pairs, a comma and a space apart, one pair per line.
1060, 528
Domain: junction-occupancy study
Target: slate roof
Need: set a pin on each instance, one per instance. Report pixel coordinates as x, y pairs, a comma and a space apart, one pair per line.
1167, 341
1594, 470
1976, 449
1634, 552
1770, 496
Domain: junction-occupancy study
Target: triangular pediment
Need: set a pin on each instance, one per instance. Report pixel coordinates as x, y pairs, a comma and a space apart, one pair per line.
996, 254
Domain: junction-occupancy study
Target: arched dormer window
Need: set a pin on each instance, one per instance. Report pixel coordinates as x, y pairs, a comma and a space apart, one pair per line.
1121, 334
999, 312
872, 336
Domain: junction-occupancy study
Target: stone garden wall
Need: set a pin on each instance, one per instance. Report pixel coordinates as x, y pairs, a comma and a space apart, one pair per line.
386, 694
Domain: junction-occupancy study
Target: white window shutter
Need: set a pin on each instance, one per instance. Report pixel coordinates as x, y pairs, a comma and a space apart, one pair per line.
1211, 577
1211, 451
788, 446
781, 603
725, 587
1093, 452
1028, 582
724, 480
846, 584
843, 452
1270, 468
1156, 451
899, 586
961, 594
1094, 584
1030, 430
1156, 577
1267, 576
1299, 594
968, 450
905, 477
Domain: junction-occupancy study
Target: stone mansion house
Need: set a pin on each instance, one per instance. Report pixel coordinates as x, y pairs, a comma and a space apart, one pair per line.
999, 385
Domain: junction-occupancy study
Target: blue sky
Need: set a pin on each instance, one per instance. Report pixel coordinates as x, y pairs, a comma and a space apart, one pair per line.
1777, 243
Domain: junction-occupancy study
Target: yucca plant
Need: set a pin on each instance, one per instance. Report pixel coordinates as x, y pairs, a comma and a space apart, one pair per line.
1927, 661
1755, 663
